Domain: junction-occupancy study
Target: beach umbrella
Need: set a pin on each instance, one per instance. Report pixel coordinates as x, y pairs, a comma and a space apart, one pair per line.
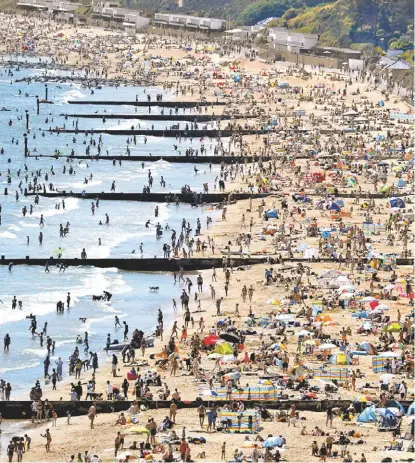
210, 340
228, 358
214, 356
345, 296
229, 337
346, 289
304, 333
369, 299
273, 442
382, 307
327, 346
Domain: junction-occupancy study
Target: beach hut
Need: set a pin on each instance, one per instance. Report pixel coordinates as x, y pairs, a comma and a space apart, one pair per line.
248, 421
340, 358
368, 415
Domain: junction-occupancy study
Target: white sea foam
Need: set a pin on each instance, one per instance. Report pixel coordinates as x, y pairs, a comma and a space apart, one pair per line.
70, 205
20, 367
8, 235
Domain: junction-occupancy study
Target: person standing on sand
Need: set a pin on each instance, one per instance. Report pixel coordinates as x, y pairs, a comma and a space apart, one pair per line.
173, 412
48, 438
201, 412
223, 451
92, 413
117, 443
174, 365
10, 451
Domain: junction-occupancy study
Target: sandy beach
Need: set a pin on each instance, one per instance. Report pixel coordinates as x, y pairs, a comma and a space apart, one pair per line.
338, 216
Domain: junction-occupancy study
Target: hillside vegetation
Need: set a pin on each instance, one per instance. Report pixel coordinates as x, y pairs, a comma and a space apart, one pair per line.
358, 23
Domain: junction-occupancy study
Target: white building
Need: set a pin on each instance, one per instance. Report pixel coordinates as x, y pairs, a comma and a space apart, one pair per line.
193, 22
111, 11
285, 40
49, 5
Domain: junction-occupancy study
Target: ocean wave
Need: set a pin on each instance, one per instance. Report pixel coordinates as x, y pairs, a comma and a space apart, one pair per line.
20, 367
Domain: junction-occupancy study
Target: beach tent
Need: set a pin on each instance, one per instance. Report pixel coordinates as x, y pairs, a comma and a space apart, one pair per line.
274, 441
329, 278
388, 418
342, 280
395, 405
368, 347
272, 214
340, 358
411, 409
392, 327
368, 415
248, 421
401, 183
223, 348
397, 202
316, 310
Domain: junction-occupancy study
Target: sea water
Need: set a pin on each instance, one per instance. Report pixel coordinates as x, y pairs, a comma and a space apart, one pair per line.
40, 291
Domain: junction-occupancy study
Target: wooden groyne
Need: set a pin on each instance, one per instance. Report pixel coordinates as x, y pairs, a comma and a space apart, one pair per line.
137, 264
163, 117
161, 104
199, 198
205, 133
195, 197
21, 409
173, 159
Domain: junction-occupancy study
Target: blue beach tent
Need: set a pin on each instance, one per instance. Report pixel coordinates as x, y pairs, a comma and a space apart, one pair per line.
368, 415
397, 202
